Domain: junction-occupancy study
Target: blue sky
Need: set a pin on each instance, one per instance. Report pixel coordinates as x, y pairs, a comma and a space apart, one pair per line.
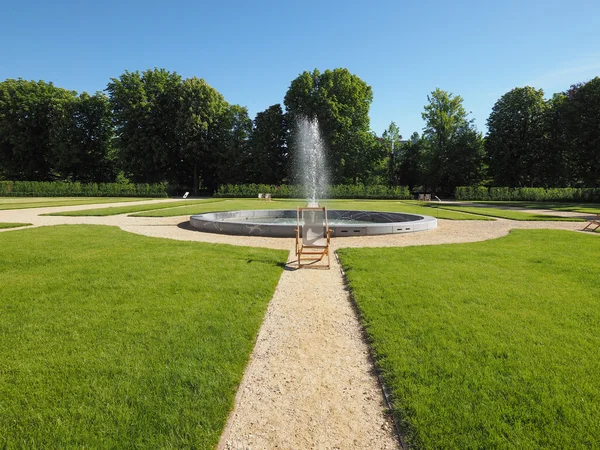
251, 51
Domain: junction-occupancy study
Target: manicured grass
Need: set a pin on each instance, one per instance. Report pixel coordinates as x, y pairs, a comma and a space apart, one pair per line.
226, 205
491, 345
402, 206
47, 202
113, 210
13, 225
369, 205
510, 214
114, 340
593, 208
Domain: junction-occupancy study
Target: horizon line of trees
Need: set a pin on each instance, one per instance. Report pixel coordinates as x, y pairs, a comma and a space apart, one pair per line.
154, 126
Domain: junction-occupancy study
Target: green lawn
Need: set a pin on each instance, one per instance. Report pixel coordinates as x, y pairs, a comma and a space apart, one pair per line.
13, 225
47, 202
488, 345
593, 208
113, 210
510, 214
114, 340
369, 205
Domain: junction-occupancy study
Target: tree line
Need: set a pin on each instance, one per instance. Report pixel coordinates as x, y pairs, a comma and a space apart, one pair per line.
154, 126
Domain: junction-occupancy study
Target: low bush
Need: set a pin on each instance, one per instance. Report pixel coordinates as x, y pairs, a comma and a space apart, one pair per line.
296, 191
483, 193
76, 189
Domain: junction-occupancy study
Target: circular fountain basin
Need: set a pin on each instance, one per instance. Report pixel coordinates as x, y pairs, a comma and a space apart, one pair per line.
282, 222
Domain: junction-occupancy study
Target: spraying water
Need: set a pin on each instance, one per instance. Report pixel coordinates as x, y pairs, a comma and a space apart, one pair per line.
311, 163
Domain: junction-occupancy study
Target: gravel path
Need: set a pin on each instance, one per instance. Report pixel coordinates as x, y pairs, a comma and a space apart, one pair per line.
310, 382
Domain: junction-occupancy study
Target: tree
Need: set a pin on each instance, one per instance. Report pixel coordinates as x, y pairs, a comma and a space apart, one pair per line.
409, 166
82, 140
581, 113
146, 106
268, 160
516, 141
391, 141
233, 157
28, 110
340, 101
201, 126
453, 149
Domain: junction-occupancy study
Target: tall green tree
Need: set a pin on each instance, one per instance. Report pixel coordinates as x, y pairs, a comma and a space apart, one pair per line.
516, 143
581, 114
391, 140
233, 157
28, 112
202, 125
409, 158
557, 168
268, 154
82, 140
340, 101
453, 148
145, 108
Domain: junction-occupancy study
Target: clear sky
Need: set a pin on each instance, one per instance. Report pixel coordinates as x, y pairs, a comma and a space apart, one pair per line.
250, 51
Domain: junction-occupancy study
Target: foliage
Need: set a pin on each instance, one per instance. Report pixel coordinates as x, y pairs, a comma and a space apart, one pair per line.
516, 140
500, 350
529, 194
28, 112
65, 188
145, 108
81, 140
199, 123
268, 158
340, 101
296, 191
107, 344
581, 116
453, 149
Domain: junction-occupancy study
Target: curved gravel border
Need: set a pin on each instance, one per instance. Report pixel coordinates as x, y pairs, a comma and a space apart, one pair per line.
309, 382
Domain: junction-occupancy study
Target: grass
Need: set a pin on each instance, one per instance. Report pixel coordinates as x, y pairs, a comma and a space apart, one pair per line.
593, 208
13, 225
510, 214
370, 205
491, 345
124, 341
114, 210
402, 206
47, 202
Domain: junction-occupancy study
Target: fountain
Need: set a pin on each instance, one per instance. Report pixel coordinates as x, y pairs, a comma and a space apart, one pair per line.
309, 160
311, 167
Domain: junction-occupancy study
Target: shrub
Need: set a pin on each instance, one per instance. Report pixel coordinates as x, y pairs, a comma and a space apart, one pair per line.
296, 191
76, 189
483, 193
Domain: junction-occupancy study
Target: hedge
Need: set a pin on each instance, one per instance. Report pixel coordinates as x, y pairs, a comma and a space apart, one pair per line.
528, 194
70, 189
296, 191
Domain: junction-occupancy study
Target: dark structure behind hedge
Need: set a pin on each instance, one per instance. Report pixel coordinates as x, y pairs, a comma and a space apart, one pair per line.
69, 189
295, 191
528, 194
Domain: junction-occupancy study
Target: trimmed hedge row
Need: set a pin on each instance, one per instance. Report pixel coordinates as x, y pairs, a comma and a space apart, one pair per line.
296, 191
528, 194
69, 189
